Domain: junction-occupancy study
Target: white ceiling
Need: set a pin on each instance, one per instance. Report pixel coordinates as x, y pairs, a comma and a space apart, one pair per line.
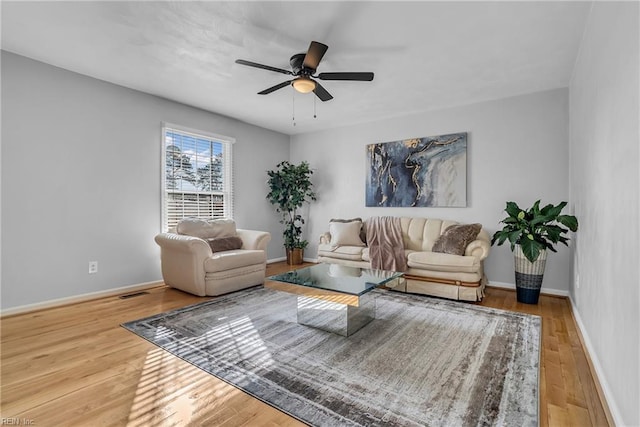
425, 55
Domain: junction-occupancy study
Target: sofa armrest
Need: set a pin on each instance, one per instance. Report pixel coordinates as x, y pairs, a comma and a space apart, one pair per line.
478, 248
253, 239
325, 238
183, 261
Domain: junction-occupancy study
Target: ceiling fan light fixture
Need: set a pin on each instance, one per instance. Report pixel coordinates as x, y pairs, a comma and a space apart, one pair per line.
304, 84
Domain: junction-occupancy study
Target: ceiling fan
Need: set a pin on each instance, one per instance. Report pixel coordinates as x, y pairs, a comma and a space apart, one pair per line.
303, 67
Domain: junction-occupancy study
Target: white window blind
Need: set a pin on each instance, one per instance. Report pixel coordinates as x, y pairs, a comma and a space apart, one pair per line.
197, 175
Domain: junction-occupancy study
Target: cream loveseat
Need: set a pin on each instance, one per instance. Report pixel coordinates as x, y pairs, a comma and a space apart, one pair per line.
212, 257
427, 272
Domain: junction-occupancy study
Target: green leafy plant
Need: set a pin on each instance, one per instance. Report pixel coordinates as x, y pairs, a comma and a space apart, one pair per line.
535, 229
290, 187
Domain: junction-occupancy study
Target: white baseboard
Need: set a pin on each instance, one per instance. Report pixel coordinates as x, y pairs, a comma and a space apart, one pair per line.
548, 291
92, 295
78, 298
600, 377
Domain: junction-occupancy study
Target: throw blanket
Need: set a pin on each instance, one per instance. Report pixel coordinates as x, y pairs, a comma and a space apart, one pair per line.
386, 249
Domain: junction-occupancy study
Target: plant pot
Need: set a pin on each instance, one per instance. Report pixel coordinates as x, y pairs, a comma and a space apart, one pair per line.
294, 256
529, 275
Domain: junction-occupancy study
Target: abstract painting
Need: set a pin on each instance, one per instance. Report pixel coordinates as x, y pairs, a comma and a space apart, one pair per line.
419, 172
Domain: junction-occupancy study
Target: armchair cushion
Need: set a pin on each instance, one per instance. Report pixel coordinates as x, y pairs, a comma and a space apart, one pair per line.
207, 228
228, 260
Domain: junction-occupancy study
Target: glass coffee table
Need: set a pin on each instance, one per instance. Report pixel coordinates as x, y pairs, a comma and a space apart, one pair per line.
333, 297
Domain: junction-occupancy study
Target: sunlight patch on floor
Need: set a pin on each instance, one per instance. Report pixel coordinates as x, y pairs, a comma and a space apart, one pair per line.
173, 392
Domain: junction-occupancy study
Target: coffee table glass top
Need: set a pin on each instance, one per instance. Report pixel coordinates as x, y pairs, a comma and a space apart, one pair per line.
339, 278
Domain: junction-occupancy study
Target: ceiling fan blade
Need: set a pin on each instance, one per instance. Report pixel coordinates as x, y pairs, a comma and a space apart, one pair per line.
274, 88
264, 67
314, 55
362, 77
322, 93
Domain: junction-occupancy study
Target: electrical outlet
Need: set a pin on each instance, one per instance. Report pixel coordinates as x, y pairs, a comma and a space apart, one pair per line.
93, 267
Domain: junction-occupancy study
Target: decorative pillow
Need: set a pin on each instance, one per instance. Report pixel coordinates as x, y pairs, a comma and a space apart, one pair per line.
345, 220
455, 238
220, 244
363, 234
207, 228
345, 233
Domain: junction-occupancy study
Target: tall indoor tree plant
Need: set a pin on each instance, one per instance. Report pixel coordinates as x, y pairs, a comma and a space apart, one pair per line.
290, 187
530, 234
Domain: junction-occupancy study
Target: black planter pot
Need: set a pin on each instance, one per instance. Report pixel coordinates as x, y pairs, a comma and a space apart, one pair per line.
529, 276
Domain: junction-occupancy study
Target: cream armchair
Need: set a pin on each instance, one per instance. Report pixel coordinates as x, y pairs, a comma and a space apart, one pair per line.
190, 264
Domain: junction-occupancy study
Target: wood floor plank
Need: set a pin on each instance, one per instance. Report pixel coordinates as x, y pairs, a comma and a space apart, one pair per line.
559, 416
579, 416
75, 365
575, 394
544, 409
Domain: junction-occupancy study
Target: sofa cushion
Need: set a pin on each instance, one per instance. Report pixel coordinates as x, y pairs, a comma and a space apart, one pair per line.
345, 233
419, 234
220, 244
353, 253
443, 262
366, 257
227, 260
455, 238
206, 228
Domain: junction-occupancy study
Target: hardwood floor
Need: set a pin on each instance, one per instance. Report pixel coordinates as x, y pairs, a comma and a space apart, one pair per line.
75, 365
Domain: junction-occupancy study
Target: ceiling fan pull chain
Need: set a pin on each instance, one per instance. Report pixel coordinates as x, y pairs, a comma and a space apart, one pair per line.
293, 107
314, 108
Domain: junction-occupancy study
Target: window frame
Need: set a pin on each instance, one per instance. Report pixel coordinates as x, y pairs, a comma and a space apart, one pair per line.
227, 170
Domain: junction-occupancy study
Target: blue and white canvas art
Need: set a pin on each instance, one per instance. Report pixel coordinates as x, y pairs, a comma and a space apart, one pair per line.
419, 172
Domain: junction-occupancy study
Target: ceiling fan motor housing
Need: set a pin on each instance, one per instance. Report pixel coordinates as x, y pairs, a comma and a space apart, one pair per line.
298, 69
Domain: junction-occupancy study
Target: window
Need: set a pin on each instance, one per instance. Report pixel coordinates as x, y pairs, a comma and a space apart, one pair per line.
197, 175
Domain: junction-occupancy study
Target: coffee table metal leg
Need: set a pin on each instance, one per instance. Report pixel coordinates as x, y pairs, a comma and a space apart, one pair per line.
342, 319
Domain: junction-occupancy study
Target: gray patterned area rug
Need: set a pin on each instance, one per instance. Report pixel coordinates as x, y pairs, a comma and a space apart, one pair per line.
421, 362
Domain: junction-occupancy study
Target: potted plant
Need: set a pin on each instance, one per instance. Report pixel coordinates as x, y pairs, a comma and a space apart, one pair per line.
531, 233
290, 187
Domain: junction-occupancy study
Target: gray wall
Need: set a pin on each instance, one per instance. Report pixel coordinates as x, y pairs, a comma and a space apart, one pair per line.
517, 150
604, 184
81, 180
